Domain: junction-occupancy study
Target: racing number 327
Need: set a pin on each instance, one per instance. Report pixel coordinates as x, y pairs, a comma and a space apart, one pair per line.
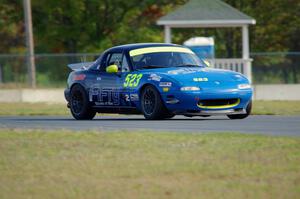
132, 80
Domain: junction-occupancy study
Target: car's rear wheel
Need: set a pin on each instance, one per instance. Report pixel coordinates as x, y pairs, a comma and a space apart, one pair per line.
79, 104
152, 105
242, 116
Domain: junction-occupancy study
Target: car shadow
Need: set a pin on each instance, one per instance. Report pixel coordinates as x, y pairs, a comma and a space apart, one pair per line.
97, 119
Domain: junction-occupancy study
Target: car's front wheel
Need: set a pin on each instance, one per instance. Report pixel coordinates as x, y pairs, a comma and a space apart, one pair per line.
242, 116
79, 104
152, 105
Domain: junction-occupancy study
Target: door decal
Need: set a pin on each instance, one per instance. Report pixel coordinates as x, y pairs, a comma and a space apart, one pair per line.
132, 80
104, 96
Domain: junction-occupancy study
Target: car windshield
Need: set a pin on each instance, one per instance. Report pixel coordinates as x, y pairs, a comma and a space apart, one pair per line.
146, 58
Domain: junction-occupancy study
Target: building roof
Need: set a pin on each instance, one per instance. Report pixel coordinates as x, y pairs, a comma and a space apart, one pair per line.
205, 13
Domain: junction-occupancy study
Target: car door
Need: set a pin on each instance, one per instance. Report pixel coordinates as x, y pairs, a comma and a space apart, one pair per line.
108, 88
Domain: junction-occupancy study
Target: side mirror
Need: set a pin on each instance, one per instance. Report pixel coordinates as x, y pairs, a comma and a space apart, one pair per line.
112, 69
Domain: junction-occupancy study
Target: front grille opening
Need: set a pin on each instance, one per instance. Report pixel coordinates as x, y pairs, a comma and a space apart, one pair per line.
218, 102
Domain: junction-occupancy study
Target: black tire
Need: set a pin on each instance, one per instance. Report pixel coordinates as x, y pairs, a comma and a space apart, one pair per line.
242, 116
79, 104
152, 105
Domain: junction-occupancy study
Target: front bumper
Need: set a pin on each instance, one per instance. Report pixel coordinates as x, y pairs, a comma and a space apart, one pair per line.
215, 112
188, 102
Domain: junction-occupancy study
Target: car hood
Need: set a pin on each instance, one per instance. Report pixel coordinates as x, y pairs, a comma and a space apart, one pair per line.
199, 74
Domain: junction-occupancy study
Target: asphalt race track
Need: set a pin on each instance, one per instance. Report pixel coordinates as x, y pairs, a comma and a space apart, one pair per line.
269, 125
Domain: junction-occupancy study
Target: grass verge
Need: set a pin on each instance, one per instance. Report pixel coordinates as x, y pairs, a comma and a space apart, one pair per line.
259, 108
33, 109
276, 107
35, 164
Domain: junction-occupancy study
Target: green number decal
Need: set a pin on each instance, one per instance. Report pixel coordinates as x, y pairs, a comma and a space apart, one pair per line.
132, 80
127, 79
137, 80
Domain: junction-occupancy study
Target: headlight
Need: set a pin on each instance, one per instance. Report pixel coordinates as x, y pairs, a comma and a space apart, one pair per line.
244, 86
190, 88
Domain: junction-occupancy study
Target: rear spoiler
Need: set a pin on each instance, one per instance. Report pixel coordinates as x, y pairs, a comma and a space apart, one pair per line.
79, 66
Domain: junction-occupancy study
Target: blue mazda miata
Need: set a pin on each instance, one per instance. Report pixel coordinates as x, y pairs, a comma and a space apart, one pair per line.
157, 80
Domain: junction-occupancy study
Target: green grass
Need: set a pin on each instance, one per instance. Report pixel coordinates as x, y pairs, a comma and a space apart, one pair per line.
276, 107
33, 109
259, 108
36, 164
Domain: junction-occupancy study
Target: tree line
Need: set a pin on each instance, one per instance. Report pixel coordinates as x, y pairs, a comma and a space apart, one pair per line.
73, 26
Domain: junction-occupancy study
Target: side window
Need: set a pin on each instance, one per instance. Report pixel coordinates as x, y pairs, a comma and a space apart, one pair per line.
104, 62
115, 58
118, 59
125, 66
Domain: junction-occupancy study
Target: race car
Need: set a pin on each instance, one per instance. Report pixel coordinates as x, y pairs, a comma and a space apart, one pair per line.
158, 81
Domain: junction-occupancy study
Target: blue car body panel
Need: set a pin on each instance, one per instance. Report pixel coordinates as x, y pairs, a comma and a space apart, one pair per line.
121, 91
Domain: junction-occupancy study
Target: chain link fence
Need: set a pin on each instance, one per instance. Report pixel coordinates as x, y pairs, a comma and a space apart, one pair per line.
52, 70
276, 68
